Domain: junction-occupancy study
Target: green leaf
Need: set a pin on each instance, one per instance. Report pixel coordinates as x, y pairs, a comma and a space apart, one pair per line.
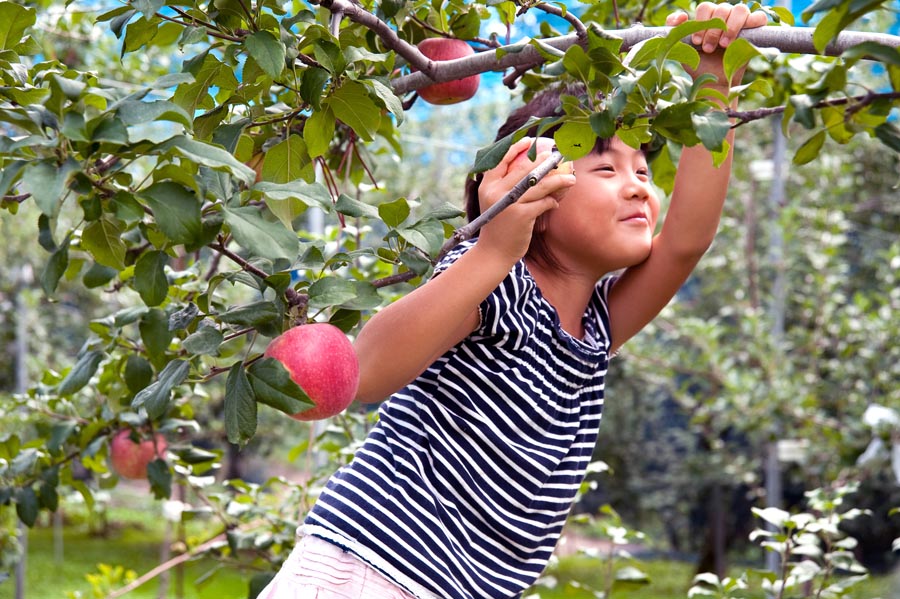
261, 237
354, 208
712, 127
240, 406
15, 19
575, 139
675, 122
81, 373
160, 478
102, 239
810, 148
47, 182
889, 135
204, 341
273, 386
288, 161
318, 132
133, 112
737, 55
150, 277
267, 51
331, 291
385, 93
488, 157
394, 213
252, 314
98, 275
27, 506
208, 155
577, 63
55, 268
176, 210
427, 235
155, 397
352, 105
138, 373
155, 333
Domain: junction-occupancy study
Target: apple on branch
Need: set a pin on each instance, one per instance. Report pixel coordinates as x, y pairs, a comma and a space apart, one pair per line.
322, 361
449, 92
130, 458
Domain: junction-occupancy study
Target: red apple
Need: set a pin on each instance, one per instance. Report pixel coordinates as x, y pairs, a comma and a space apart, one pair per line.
130, 459
544, 144
322, 361
450, 92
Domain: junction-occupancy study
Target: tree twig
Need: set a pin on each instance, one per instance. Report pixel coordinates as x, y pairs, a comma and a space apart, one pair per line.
165, 566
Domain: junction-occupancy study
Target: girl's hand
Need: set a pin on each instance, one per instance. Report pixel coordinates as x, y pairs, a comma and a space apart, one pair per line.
510, 232
712, 42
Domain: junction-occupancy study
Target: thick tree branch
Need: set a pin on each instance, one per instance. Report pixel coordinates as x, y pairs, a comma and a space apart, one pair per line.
791, 40
358, 14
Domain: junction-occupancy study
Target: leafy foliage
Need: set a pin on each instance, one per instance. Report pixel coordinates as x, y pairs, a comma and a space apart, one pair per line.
188, 193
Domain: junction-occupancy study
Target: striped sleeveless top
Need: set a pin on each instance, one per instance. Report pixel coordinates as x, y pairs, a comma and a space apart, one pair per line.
462, 488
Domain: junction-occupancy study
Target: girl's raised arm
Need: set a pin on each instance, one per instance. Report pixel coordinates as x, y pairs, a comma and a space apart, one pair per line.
697, 198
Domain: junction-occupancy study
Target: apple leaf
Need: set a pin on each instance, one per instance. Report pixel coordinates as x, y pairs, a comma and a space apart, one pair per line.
261, 237
55, 268
27, 506
155, 397
273, 386
353, 106
14, 21
810, 148
103, 240
712, 127
267, 51
208, 155
488, 157
252, 314
160, 478
206, 340
394, 213
81, 373
240, 406
354, 208
150, 278
177, 211
138, 373
155, 333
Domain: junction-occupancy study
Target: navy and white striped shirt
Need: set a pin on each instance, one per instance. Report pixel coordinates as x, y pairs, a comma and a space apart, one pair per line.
462, 488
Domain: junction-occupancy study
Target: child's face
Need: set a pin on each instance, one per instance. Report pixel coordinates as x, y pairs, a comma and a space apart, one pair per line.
607, 219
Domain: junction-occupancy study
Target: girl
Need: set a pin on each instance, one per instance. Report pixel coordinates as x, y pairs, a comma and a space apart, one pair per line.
463, 487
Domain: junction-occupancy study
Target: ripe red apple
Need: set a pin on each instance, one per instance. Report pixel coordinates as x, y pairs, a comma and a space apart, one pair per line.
544, 144
322, 361
130, 459
449, 92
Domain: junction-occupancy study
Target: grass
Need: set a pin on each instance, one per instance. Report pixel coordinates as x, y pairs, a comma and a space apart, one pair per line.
133, 540
136, 533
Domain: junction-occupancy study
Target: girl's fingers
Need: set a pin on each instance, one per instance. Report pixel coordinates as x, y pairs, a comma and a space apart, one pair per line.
734, 23
676, 18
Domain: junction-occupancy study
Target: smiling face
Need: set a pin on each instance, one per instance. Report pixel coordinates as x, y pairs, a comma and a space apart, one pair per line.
606, 220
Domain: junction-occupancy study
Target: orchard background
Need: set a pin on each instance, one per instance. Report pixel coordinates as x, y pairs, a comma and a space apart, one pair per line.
183, 181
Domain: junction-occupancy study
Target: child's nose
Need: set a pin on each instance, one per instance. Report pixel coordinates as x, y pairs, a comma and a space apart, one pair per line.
636, 189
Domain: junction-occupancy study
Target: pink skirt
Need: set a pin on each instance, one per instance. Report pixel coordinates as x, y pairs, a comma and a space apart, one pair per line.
317, 569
